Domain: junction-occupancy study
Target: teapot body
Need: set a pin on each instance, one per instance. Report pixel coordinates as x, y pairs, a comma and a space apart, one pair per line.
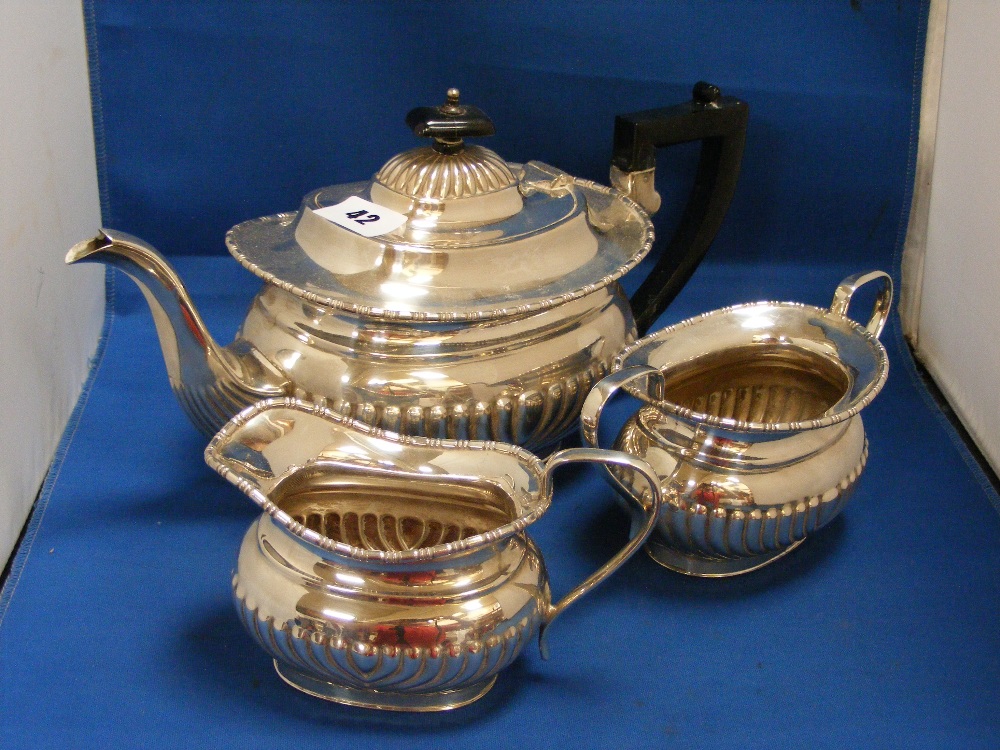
415, 638
520, 379
454, 294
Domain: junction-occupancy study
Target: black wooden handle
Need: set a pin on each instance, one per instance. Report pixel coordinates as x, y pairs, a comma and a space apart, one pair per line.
720, 123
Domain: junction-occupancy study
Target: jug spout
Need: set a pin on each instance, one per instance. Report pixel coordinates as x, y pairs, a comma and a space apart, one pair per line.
211, 382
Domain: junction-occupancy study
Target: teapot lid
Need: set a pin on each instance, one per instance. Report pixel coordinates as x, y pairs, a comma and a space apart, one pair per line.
448, 232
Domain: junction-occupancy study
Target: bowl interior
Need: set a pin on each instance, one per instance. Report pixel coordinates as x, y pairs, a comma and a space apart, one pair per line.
764, 383
392, 514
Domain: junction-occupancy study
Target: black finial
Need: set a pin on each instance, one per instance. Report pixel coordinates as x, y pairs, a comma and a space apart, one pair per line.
706, 93
449, 123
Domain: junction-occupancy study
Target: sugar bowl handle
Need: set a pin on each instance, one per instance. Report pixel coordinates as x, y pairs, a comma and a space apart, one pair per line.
651, 510
880, 311
605, 389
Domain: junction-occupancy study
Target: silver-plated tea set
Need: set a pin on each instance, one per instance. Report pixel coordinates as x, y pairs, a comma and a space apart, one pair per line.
420, 336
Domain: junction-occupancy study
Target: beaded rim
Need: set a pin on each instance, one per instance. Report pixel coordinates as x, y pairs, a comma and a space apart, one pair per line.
542, 498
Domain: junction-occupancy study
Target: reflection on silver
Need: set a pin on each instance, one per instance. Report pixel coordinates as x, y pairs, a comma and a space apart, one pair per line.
751, 419
509, 298
639, 186
394, 572
430, 175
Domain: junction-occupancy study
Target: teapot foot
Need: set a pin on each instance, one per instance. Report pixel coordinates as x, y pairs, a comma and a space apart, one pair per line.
701, 566
442, 700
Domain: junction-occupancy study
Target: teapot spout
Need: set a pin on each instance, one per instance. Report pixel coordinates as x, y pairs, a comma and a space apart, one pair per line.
212, 383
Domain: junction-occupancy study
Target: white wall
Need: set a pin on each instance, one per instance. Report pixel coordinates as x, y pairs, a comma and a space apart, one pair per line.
954, 279
50, 315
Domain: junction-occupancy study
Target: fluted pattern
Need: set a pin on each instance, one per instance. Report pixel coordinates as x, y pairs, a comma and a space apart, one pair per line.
425, 173
360, 664
210, 406
730, 533
531, 418
759, 403
384, 532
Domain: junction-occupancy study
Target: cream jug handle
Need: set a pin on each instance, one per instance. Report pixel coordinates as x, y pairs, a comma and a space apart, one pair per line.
880, 311
651, 511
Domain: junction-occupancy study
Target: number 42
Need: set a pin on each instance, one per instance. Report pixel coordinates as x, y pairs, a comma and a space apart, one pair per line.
362, 216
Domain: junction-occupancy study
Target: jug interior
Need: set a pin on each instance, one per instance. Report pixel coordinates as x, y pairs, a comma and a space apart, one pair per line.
393, 513
765, 383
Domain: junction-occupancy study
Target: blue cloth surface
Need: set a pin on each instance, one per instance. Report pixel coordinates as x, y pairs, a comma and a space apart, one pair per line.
117, 630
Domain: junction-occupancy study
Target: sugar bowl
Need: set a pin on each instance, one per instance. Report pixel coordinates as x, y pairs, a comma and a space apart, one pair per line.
750, 416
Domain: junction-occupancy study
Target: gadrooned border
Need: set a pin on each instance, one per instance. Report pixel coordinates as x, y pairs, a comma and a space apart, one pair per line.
457, 316
684, 413
423, 554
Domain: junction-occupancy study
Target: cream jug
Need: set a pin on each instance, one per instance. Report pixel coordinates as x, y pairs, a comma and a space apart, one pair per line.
394, 572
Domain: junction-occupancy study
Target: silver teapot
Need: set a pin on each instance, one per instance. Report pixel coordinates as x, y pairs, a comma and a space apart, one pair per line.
453, 295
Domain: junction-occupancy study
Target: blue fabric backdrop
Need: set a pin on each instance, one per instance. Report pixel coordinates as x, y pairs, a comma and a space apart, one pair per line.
116, 628
212, 113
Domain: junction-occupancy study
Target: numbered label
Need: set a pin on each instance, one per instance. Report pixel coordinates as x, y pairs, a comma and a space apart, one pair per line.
362, 217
